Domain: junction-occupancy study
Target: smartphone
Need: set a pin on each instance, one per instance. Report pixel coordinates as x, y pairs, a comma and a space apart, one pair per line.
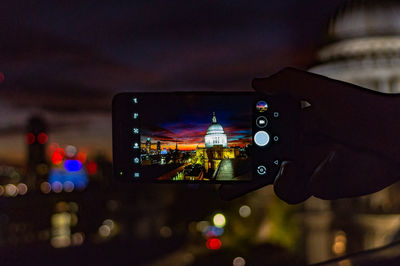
196, 137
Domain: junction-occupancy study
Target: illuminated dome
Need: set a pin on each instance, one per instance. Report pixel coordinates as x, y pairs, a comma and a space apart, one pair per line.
215, 135
359, 18
363, 45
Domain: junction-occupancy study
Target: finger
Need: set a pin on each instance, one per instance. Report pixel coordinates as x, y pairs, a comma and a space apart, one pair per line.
232, 191
289, 187
292, 183
350, 173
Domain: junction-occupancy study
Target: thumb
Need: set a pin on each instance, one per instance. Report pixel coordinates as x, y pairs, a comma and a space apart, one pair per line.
288, 186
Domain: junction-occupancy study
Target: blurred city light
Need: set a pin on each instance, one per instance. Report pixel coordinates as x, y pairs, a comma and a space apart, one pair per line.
213, 231
339, 243
60, 230
91, 168
244, 211
239, 261
42, 138
81, 156
77, 239
79, 178
200, 226
58, 156
22, 188
45, 187
219, 220
68, 186
109, 223
30, 138
73, 206
70, 151
72, 165
104, 230
62, 206
165, 232
11, 190
213, 243
56, 186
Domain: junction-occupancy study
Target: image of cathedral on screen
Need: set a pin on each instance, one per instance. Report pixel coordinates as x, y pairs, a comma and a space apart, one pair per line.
214, 159
216, 146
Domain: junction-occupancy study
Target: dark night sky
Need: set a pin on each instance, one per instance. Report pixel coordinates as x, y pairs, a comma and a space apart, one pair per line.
65, 59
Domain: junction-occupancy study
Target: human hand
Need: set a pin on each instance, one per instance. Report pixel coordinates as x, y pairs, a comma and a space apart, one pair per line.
349, 145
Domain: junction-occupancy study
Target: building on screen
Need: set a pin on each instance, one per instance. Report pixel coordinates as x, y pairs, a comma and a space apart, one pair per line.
216, 146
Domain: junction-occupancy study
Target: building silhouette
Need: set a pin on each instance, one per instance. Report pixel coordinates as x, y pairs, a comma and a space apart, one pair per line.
36, 138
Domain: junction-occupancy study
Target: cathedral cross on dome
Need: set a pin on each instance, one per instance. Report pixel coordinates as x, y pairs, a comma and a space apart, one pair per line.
214, 119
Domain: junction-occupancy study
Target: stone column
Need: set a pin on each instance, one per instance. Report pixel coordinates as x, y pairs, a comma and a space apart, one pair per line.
384, 86
318, 238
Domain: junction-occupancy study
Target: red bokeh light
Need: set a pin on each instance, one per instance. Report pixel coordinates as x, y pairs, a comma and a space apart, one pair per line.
58, 156
42, 138
91, 168
81, 157
1, 77
30, 138
213, 243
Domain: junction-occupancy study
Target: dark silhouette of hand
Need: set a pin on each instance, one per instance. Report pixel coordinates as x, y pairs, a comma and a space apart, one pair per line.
350, 145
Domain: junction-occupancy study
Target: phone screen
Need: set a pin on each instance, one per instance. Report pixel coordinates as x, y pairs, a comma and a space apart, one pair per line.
186, 136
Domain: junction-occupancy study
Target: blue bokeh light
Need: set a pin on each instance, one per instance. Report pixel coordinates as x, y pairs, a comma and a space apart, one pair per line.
72, 165
78, 178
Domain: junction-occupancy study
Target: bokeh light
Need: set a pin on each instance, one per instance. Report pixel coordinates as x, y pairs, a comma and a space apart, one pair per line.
244, 211
70, 151
104, 230
77, 239
239, 261
58, 156
213, 231
91, 168
30, 138
109, 223
339, 243
81, 156
42, 138
219, 220
68, 186
11, 190
213, 243
22, 188
72, 165
45, 187
165, 232
56, 187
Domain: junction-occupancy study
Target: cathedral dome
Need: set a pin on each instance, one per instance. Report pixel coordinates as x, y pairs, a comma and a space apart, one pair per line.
364, 45
215, 129
358, 18
215, 135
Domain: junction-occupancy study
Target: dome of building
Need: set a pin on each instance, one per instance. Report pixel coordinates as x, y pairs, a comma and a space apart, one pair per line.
215, 135
215, 129
357, 18
364, 45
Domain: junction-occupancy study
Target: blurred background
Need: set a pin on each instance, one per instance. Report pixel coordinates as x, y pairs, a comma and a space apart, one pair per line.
62, 61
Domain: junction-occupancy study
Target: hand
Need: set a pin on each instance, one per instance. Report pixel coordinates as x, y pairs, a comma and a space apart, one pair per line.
351, 144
